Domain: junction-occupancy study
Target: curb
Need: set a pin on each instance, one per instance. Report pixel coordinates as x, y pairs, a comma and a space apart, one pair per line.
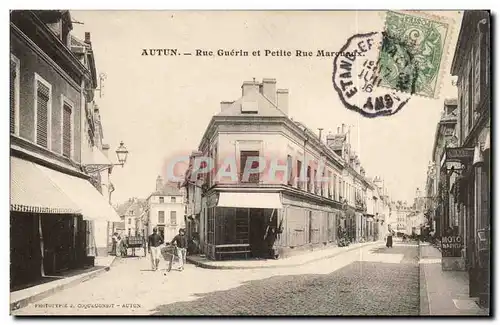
422, 284
42, 295
223, 267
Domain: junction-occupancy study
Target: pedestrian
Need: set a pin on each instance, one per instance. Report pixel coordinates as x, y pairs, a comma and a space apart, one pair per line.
390, 232
180, 244
154, 242
115, 241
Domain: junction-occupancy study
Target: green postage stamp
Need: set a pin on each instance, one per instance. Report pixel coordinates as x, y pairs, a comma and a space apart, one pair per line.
414, 52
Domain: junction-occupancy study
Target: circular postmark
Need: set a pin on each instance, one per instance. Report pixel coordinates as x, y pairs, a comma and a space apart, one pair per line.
363, 67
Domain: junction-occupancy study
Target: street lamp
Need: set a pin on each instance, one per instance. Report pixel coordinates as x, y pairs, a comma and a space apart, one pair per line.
121, 153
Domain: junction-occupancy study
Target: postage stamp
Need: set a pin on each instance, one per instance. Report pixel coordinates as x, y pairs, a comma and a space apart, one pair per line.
357, 78
377, 73
413, 52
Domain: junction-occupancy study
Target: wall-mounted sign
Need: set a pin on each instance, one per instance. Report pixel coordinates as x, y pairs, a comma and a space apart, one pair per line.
461, 154
451, 246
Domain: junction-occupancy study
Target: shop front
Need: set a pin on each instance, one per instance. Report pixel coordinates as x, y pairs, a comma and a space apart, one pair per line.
242, 225
51, 219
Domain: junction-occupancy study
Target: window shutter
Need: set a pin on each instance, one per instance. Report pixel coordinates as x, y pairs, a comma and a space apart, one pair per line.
66, 130
12, 96
42, 114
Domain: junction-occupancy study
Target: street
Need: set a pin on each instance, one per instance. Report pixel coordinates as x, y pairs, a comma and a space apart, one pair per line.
373, 280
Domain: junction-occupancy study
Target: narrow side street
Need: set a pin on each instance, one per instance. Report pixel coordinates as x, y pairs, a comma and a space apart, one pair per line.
373, 280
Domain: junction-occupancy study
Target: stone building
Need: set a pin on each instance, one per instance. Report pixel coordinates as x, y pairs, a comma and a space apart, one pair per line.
53, 203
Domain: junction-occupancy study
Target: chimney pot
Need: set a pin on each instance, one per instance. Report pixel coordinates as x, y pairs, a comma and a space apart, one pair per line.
249, 87
225, 105
87, 37
282, 100
269, 89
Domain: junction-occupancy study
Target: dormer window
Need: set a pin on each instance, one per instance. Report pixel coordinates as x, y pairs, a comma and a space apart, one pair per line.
249, 107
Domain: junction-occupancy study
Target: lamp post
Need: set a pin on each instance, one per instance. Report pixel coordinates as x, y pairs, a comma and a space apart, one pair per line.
121, 153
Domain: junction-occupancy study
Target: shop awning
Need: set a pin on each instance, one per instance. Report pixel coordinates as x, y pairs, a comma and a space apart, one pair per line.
92, 204
33, 191
250, 200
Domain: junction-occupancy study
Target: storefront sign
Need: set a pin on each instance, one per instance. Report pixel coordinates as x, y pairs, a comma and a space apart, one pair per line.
451, 246
462, 155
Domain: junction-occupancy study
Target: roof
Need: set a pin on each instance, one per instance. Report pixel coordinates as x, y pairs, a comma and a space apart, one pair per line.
169, 188
265, 106
137, 206
336, 141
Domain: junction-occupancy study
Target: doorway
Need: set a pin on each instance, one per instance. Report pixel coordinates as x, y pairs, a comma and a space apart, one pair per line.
257, 232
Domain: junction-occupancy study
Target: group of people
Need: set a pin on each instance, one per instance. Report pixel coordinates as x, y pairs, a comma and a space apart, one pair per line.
119, 245
156, 243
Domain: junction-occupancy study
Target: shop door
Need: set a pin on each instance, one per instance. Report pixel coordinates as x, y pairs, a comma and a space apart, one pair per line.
257, 230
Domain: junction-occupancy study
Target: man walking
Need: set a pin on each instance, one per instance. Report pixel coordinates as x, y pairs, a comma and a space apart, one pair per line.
180, 243
154, 243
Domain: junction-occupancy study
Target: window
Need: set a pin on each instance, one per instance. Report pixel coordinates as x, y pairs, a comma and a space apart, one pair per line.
289, 163
470, 97
67, 128
251, 177
161, 217
162, 199
172, 199
330, 182
299, 173
14, 94
43, 103
173, 217
129, 221
308, 180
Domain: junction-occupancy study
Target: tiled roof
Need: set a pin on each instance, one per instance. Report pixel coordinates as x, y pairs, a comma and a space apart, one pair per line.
168, 189
137, 206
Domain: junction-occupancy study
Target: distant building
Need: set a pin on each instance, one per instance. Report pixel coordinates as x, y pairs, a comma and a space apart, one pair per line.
166, 209
131, 213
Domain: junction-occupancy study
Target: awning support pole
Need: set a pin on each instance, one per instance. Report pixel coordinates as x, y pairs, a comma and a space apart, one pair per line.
41, 243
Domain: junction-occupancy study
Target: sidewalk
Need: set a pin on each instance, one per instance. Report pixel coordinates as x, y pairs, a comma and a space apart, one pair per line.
296, 260
53, 284
444, 292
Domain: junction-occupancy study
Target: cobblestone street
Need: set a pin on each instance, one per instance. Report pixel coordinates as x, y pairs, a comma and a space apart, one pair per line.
373, 280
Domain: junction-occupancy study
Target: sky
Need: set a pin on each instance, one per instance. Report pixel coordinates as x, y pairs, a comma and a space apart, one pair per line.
160, 106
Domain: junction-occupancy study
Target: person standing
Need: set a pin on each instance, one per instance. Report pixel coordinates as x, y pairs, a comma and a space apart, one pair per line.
180, 243
114, 240
389, 237
154, 243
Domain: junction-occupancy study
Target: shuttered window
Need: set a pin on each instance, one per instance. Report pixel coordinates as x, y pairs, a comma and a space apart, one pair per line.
42, 114
13, 99
66, 132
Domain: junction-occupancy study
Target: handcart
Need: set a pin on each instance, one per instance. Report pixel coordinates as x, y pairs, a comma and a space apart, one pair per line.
134, 242
169, 253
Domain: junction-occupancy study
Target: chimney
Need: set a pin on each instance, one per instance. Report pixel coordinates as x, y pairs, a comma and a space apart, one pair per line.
329, 139
249, 87
225, 105
282, 100
105, 149
320, 131
269, 89
338, 130
159, 183
87, 37
343, 128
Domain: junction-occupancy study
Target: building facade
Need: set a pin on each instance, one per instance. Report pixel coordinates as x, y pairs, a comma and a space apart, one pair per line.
274, 186
131, 213
472, 187
166, 210
53, 203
